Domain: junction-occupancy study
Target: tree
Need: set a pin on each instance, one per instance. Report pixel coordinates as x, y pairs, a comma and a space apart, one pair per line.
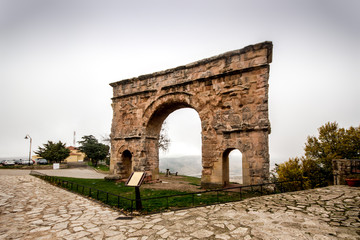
106, 139
307, 171
333, 142
164, 141
312, 173
290, 170
94, 150
53, 152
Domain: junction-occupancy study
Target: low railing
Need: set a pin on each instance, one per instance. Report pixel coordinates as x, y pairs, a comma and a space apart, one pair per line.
178, 201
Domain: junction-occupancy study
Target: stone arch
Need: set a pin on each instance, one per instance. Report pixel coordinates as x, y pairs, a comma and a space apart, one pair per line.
157, 111
120, 168
230, 94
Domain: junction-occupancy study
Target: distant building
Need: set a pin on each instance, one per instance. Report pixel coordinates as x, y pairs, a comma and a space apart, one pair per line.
75, 155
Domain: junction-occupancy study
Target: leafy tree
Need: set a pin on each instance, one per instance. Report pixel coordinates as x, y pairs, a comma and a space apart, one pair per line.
94, 150
333, 142
307, 171
53, 152
312, 173
290, 170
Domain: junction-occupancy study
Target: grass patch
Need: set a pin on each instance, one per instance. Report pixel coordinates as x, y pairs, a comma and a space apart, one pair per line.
101, 167
192, 180
109, 188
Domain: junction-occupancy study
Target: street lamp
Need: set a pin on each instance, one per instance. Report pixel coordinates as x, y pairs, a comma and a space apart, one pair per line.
28, 137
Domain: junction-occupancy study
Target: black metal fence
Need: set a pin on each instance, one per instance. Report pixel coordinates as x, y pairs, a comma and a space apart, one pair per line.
111, 199
178, 201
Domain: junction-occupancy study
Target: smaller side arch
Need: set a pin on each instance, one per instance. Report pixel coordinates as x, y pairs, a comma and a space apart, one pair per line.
226, 166
126, 164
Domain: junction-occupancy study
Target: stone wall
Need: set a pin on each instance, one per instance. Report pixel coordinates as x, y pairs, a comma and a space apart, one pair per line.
230, 94
343, 168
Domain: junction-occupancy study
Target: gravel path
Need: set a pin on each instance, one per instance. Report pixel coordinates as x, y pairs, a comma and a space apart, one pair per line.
33, 209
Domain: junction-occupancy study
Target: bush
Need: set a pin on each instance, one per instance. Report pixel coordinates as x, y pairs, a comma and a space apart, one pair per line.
308, 172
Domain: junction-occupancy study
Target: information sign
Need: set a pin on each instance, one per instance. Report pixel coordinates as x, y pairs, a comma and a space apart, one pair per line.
135, 179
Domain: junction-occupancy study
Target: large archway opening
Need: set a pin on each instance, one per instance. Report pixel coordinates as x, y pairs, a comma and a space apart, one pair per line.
183, 128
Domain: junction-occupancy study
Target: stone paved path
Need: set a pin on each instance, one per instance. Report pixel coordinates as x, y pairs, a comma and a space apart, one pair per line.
33, 209
70, 172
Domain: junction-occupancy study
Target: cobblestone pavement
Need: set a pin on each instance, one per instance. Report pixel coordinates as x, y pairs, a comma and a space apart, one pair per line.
33, 209
78, 172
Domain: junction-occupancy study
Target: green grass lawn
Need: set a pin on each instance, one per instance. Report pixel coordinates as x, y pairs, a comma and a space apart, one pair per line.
100, 167
192, 180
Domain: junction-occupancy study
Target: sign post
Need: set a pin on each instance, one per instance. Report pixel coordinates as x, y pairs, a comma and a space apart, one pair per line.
135, 180
55, 165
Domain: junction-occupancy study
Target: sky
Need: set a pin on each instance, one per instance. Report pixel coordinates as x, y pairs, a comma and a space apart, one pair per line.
57, 59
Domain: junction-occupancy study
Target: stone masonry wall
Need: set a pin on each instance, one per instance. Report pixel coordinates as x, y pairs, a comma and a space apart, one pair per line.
342, 168
230, 94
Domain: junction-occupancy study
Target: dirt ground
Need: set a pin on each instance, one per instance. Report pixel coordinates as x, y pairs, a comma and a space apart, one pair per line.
172, 183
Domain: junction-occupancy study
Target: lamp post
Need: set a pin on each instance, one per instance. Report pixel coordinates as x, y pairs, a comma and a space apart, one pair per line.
28, 137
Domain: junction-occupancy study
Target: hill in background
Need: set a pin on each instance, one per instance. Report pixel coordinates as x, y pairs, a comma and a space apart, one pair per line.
191, 165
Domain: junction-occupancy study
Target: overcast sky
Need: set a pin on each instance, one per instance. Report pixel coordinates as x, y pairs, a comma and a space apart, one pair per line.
57, 59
